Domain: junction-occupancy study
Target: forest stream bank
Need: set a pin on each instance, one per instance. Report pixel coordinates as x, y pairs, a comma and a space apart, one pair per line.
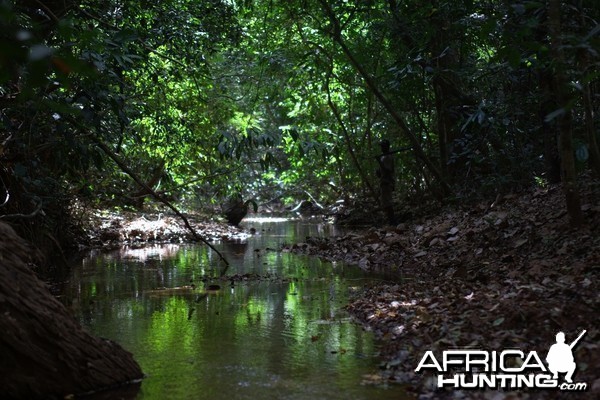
507, 274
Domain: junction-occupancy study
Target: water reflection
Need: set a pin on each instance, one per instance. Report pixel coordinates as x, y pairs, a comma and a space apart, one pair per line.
277, 331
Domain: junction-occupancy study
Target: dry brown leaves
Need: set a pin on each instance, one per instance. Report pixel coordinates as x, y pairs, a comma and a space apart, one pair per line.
507, 275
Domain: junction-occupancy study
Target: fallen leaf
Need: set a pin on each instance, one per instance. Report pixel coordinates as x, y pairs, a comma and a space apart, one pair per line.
520, 243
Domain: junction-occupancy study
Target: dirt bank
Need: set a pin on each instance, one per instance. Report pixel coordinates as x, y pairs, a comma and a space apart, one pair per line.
45, 351
507, 274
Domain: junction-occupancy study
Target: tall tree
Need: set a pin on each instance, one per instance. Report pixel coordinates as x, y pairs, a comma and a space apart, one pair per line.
564, 115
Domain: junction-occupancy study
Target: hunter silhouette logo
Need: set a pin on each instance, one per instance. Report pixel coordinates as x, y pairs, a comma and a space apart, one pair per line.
560, 357
506, 369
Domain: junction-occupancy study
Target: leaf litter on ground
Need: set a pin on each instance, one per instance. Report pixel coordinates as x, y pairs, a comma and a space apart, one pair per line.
482, 277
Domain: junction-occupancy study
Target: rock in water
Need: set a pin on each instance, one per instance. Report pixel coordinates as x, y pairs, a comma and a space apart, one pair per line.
44, 351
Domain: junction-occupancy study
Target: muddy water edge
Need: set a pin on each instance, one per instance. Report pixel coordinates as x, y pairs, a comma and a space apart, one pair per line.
271, 327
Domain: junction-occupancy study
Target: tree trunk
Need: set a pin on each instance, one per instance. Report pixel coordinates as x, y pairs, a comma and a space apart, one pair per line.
549, 128
565, 120
441, 128
590, 130
45, 353
445, 101
588, 108
139, 196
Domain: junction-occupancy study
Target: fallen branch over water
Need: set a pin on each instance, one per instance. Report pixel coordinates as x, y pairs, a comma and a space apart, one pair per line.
158, 197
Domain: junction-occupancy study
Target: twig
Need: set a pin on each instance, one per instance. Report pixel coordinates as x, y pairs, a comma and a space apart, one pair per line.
58, 246
207, 178
7, 195
26, 216
314, 200
48, 11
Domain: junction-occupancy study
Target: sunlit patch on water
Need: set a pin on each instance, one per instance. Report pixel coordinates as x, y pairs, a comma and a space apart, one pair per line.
154, 251
263, 220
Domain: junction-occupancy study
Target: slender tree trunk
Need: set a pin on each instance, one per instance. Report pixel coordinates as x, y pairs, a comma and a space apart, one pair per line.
441, 128
374, 88
565, 120
588, 108
590, 129
349, 144
445, 124
549, 128
140, 195
547, 104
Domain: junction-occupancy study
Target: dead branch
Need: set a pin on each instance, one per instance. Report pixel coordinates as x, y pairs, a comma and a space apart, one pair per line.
157, 196
6, 194
32, 214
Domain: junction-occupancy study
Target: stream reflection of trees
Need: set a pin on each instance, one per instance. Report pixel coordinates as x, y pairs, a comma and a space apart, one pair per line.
276, 322
152, 252
282, 325
115, 288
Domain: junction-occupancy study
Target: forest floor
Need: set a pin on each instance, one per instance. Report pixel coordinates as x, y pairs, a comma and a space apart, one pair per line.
490, 276
507, 274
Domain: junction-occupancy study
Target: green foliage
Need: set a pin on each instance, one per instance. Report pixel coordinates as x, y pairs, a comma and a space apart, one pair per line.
206, 98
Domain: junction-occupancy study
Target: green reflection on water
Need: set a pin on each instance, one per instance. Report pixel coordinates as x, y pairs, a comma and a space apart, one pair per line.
283, 336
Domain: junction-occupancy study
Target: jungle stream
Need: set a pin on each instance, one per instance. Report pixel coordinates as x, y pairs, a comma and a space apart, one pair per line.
271, 327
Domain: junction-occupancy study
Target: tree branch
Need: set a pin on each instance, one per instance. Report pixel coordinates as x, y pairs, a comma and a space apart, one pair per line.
7, 193
32, 214
348, 141
157, 196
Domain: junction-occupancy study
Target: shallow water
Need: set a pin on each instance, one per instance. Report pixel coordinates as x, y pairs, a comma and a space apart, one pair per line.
279, 334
